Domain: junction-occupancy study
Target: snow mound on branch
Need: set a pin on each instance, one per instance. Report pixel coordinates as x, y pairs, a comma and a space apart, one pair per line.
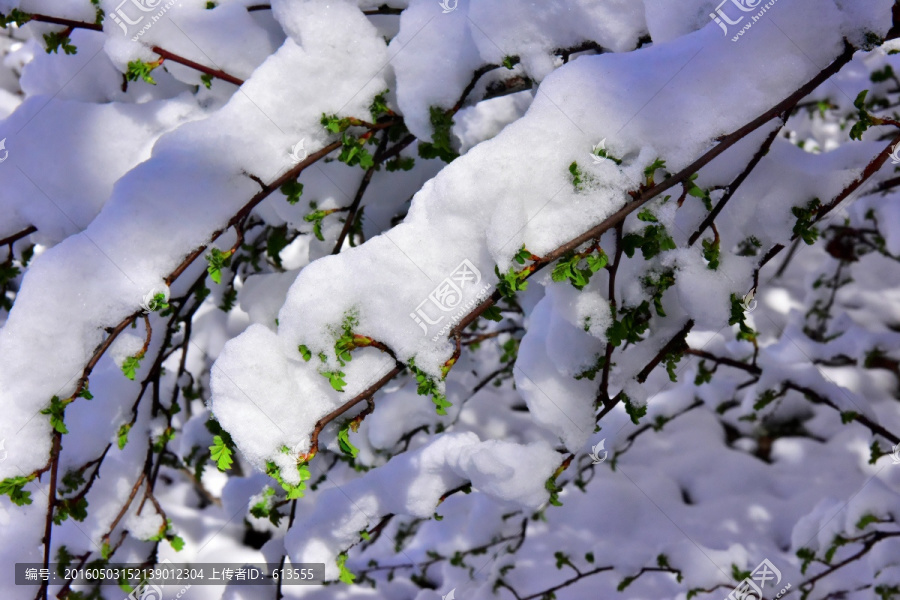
412, 484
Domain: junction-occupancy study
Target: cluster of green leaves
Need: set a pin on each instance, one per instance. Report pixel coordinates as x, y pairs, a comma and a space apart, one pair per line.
806, 215
749, 246
158, 303
14, 488
57, 412
15, 16
354, 152
590, 372
166, 436
704, 374
440, 145
140, 71
56, 40
217, 260
293, 491
554, 488
671, 361
379, 106
70, 507
634, 411
629, 324
426, 385
579, 177
651, 169
264, 508
514, 281
292, 189
864, 118
577, 268
739, 317
168, 533
317, 216
652, 240
346, 340
656, 283
711, 253
8, 272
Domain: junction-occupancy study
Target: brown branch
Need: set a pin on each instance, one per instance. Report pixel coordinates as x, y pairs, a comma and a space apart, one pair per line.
353, 209
603, 394
217, 73
734, 185
51, 505
362, 396
10, 240
67, 22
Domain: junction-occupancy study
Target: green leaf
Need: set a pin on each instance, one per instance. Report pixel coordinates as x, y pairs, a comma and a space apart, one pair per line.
492, 313
131, 365
345, 575
569, 268
293, 189
177, 543
13, 487
635, 412
220, 452
304, 352
427, 385
139, 70
56, 40
440, 145
206, 80
106, 551
57, 410
344, 442
123, 435
653, 240
216, 261
803, 227
551, 486
15, 16
866, 520
577, 176
711, 253
379, 106
336, 379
